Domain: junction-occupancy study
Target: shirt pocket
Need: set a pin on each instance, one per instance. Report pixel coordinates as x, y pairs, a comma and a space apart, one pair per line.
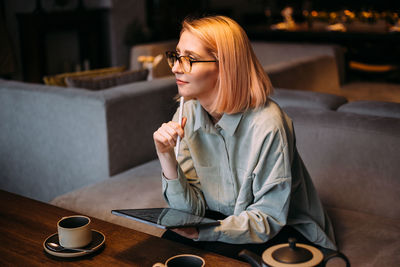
210, 179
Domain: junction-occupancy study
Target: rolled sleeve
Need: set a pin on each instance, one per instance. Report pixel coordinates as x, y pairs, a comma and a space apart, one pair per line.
173, 189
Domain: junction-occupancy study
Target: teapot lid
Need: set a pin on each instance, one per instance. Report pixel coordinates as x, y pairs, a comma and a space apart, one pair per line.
292, 254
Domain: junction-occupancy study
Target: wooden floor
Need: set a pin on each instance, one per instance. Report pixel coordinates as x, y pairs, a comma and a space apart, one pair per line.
372, 86
368, 86
383, 86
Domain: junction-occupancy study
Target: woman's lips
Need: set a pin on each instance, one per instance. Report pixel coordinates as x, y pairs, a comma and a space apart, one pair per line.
180, 82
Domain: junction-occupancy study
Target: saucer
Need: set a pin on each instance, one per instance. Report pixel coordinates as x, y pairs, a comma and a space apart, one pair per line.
98, 240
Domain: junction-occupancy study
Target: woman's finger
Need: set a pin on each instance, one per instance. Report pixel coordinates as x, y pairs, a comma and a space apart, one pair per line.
178, 128
168, 136
173, 130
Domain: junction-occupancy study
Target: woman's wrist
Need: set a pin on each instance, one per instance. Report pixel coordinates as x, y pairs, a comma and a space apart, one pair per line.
168, 164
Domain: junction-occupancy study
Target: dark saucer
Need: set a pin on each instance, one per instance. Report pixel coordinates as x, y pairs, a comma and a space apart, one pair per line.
98, 239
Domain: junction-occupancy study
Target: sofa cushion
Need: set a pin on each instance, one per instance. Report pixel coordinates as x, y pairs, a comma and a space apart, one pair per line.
107, 81
366, 240
296, 98
376, 108
139, 187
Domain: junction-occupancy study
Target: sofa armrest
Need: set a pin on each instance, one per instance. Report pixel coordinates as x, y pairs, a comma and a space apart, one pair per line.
52, 139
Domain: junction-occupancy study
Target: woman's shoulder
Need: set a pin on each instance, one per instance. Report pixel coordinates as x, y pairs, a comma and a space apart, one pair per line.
267, 119
269, 114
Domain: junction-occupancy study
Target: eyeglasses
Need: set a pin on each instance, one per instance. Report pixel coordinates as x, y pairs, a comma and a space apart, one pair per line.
185, 62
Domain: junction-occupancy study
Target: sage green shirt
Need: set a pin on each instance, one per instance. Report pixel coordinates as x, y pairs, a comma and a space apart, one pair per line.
247, 167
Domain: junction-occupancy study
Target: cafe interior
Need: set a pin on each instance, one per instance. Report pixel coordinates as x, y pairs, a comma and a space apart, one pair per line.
85, 83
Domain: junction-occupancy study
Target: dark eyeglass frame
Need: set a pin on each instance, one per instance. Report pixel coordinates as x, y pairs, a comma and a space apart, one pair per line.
172, 54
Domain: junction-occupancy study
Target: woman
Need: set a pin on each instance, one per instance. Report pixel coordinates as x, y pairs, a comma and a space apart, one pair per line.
238, 155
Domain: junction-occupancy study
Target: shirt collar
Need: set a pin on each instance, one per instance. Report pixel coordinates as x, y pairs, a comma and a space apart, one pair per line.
228, 122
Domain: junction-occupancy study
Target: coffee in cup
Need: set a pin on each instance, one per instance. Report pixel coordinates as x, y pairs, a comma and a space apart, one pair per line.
183, 260
74, 231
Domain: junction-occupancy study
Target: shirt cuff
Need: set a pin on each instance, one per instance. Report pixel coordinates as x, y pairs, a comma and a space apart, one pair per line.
173, 187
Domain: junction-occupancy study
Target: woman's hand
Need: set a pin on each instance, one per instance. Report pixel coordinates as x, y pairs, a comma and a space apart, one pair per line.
165, 140
165, 137
190, 232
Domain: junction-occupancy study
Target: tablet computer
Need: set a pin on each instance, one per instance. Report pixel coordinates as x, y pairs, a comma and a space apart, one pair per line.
166, 218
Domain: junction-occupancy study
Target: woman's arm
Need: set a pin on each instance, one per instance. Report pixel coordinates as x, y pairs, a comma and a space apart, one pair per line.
181, 186
185, 192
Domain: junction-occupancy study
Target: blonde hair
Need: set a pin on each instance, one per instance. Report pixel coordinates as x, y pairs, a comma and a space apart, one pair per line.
243, 83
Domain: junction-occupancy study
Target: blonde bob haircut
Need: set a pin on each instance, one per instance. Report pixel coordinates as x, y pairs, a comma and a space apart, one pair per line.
243, 83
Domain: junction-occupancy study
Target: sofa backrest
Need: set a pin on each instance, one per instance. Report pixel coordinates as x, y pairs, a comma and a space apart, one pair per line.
133, 114
306, 99
353, 159
274, 53
374, 108
318, 73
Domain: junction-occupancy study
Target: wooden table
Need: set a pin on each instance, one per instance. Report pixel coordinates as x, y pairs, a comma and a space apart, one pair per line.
26, 223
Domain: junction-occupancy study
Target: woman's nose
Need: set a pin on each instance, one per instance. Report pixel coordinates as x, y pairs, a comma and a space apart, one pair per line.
176, 68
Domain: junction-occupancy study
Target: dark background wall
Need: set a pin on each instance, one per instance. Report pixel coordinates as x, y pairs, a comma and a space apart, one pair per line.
129, 22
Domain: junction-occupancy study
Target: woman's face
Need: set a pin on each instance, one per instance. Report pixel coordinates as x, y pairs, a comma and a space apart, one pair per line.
201, 82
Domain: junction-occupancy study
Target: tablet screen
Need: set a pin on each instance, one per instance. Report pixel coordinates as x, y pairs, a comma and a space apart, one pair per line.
166, 218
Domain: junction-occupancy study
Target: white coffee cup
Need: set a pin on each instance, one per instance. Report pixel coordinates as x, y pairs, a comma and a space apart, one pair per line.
74, 231
188, 260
